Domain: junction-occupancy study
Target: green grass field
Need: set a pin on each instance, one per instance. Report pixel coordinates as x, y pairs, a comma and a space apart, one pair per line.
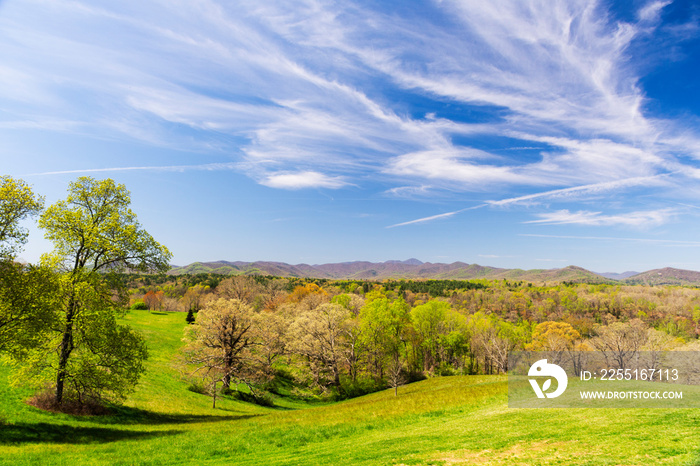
441, 421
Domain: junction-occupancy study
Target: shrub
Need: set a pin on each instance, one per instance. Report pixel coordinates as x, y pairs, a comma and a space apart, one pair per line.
198, 386
262, 399
139, 306
360, 387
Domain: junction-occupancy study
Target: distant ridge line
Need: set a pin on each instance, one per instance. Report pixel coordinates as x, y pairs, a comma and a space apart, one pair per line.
416, 269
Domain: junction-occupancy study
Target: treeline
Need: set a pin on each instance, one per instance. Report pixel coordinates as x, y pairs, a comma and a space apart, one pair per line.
350, 337
60, 321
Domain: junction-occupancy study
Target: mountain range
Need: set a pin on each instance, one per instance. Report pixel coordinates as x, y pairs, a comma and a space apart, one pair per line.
415, 269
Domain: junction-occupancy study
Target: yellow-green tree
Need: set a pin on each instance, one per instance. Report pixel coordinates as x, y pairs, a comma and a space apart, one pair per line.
95, 234
28, 297
382, 335
27, 293
17, 202
554, 337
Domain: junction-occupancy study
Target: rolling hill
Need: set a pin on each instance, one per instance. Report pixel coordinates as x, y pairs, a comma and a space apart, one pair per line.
665, 276
409, 269
415, 269
456, 420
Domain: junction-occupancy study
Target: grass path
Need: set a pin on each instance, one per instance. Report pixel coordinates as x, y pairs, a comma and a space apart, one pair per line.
441, 421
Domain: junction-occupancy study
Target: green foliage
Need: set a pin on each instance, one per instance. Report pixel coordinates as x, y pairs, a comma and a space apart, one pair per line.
433, 288
29, 296
95, 234
106, 358
383, 331
361, 386
262, 399
139, 306
17, 202
94, 229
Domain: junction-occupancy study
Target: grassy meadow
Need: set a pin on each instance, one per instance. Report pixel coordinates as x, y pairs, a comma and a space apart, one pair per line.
440, 421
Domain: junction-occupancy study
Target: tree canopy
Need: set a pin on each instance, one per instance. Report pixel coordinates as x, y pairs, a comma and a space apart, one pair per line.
95, 230
95, 234
17, 202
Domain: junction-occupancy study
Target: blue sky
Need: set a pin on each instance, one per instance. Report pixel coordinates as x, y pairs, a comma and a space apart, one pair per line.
511, 133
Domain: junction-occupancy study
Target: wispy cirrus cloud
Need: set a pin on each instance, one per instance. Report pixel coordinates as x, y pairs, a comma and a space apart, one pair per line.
436, 217
427, 219
634, 219
578, 192
575, 193
669, 242
308, 93
301, 180
175, 168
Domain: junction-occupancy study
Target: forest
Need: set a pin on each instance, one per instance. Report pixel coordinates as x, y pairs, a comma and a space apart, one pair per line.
62, 326
347, 337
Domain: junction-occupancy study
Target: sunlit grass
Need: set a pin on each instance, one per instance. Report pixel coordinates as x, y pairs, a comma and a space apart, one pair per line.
449, 420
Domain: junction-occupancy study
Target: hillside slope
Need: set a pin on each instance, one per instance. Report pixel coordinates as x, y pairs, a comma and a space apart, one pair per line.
456, 420
410, 269
665, 276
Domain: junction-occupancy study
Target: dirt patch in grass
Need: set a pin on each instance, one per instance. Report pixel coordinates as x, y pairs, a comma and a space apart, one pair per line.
518, 454
46, 401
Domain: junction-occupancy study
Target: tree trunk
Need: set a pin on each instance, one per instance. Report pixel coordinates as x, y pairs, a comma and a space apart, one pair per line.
228, 364
66, 349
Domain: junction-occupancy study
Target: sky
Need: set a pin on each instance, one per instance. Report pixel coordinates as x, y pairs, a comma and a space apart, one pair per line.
509, 133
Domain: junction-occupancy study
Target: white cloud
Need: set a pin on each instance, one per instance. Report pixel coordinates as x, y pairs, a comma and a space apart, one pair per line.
632, 219
435, 217
456, 165
297, 88
171, 168
409, 191
578, 192
426, 219
301, 180
652, 11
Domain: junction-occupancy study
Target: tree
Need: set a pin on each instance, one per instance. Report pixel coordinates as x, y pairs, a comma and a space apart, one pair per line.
17, 202
271, 328
317, 335
105, 359
238, 287
154, 299
194, 297
28, 296
429, 324
219, 342
621, 341
382, 335
556, 338
25, 291
95, 235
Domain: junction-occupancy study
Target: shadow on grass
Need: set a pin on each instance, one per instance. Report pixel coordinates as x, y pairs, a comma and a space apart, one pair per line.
60, 433
128, 415
284, 408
